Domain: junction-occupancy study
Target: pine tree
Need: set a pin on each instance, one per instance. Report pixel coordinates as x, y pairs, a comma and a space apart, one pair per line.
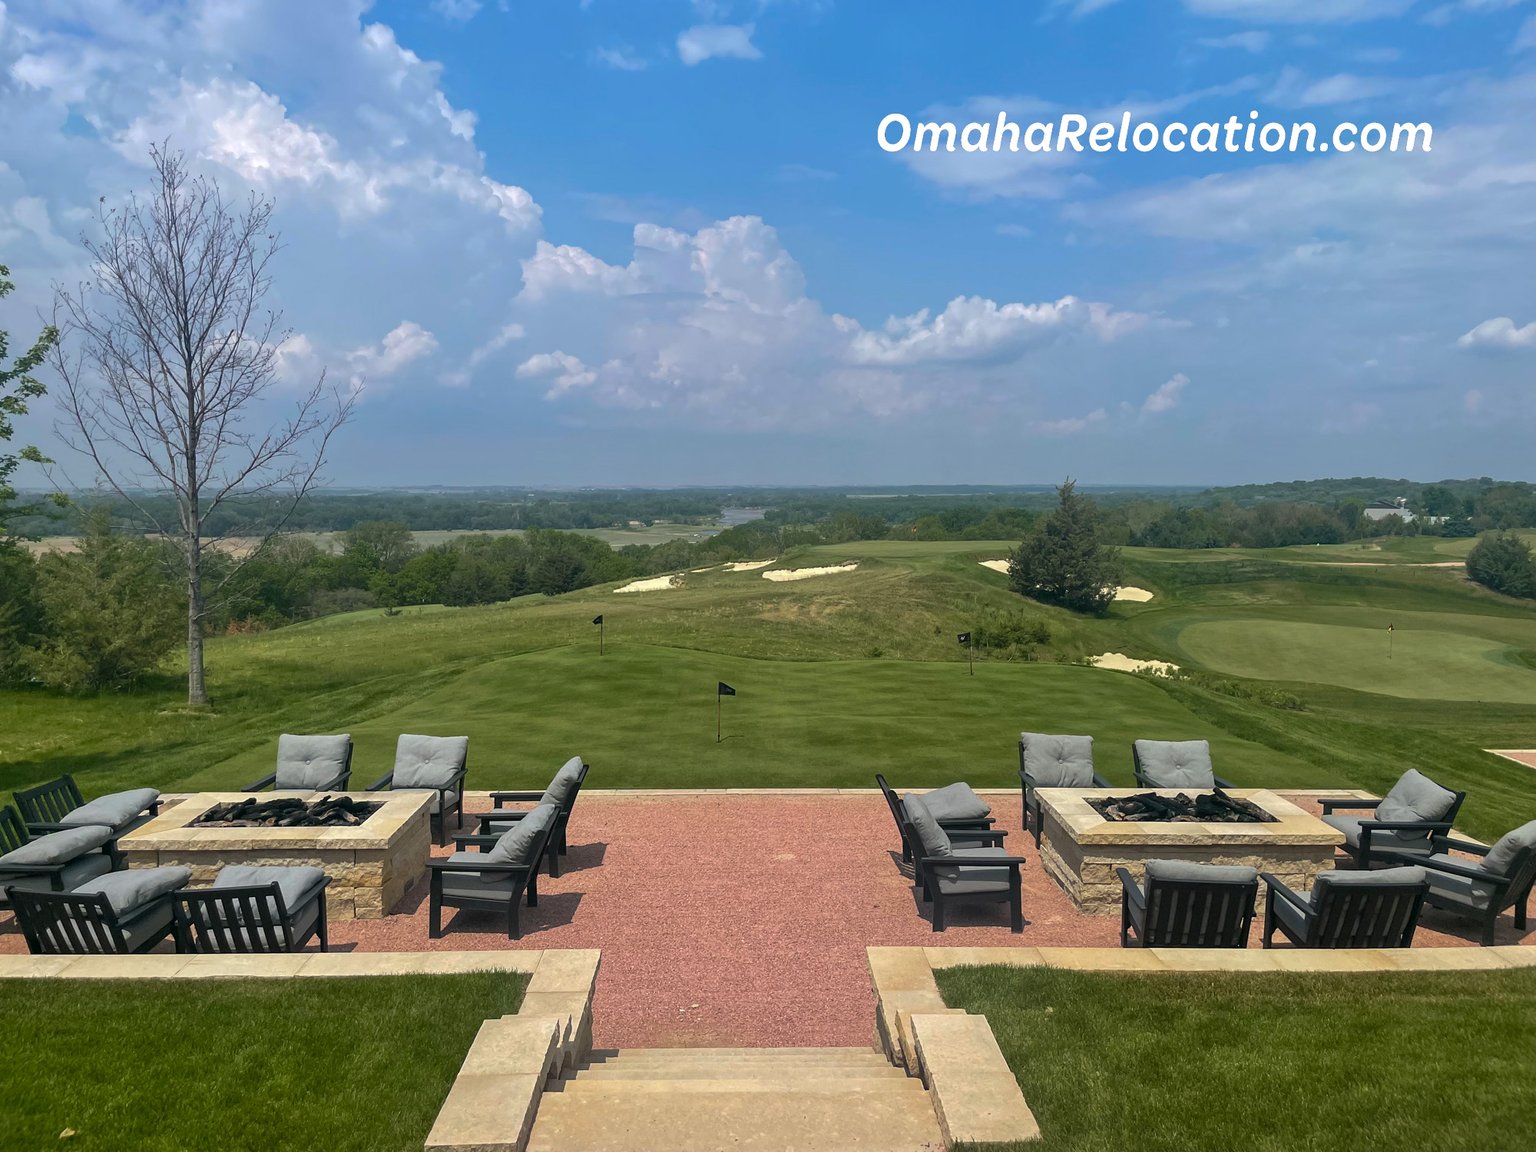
1063, 563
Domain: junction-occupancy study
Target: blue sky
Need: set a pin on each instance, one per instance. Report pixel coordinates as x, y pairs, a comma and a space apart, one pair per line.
654, 241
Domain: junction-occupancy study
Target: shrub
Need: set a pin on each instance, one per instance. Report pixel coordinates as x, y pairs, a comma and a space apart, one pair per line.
1502, 561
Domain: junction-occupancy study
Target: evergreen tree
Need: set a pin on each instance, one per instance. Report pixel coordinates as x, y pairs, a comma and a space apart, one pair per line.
1503, 562
1062, 561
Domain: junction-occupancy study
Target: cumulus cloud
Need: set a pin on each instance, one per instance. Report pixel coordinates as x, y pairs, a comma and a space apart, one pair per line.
1167, 395
1071, 425
402, 345
717, 41
1299, 11
1255, 41
621, 59
456, 11
1500, 333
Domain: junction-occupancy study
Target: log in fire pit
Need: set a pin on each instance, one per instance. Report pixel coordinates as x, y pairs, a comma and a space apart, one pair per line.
288, 812
1204, 808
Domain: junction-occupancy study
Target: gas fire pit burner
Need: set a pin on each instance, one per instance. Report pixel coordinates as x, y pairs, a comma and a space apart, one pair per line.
288, 812
1205, 808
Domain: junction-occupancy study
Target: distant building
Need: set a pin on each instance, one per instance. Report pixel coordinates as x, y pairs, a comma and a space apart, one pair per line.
1381, 509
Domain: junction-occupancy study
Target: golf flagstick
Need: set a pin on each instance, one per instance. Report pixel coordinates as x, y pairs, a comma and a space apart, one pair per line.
722, 690
598, 620
970, 649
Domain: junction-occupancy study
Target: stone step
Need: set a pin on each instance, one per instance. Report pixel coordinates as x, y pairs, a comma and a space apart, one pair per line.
732, 1070
828, 1054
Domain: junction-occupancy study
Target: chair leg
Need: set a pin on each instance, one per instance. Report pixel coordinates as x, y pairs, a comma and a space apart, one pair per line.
435, 913
938, 912
514, 929
324, 932
1489, 926
533, 889
553, 856
1016, 901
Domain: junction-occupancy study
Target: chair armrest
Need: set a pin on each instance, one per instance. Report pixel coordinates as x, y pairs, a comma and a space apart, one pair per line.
1329, 805
473, 866
1439, 828
497, 798
264, 782
1130, 888
962, 862
967, 822
502, 816
1470, 871
1100, 782
337, 783
40, 869
987, 837
154, 807
42, 827
1221, 783
459, 842
378, 785
1278, 887
1461, 845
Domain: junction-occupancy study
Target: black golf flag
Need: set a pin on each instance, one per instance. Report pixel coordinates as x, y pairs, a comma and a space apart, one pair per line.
964, 637
721, 689
597, 619
725, 690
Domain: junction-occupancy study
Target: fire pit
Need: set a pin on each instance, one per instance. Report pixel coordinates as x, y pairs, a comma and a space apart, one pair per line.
1089, 832
374, 845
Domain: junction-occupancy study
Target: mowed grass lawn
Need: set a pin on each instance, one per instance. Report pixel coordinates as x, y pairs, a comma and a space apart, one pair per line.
1265, 1062
344, 1065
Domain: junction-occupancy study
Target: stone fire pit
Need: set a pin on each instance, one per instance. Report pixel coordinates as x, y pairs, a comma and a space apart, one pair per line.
371, 866
1080, 849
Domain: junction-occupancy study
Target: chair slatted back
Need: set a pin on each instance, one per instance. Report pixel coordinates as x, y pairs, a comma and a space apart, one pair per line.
13, 831
1522, 877
570, 801
1198, 913
49, 803
252, 919
66, 924
893, 802
1367, 915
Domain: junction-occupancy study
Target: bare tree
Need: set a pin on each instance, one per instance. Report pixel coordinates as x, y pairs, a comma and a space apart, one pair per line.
167, 358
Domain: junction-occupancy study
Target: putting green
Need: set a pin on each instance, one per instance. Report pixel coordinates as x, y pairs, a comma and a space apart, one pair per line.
1423, 664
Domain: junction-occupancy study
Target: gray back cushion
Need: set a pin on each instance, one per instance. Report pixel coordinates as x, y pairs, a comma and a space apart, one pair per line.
130, 890
58, 847
934, 840
1408, 876
428, 761
1176, 763
564, 783
956, 802
1057, 761
310, 761
1202, 873
516, 845
113, 810
1501, 857
1415, 797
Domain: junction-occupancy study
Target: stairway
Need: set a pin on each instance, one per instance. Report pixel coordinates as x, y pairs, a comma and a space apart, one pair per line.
743, 1099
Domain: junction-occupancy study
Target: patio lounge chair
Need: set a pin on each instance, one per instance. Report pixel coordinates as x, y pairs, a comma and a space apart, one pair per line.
1187, 905
56, 861
119, 913
562, 793
983, 873
1047, 761
1348, 909
253, 908
1176, 764
58, 804
495, 878
431, 763
1481, 889
1401, 821
951, 801
309, 764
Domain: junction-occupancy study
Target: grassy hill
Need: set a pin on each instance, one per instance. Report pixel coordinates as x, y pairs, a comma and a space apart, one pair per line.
845, 675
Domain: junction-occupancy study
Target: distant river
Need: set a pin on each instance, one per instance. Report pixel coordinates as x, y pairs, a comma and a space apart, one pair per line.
730, 517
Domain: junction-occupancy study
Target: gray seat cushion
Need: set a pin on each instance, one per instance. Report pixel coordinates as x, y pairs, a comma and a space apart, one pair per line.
1057, 761
1456, 889
295, 883
1295, 919
972, 881
311, 761
1185, 871
75, 873
428, 761
1176, 763
1415, 797
1407, 875
956, 802
516, 845
1396, 841
151, 920
1501, 857
57, 847
131, 890
932, 839
564, 784
117, 810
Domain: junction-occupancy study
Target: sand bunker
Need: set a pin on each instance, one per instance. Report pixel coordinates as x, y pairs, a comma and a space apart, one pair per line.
782, 574
996, 565
747, 565
654, 584
1127, 592
1120, 662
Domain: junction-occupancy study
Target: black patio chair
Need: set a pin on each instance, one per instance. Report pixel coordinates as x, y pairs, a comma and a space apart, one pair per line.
115, 914
495, 878
1047, 761
1176, 764
984, 873
949, 823
58, 804
309, 764
253, 908
1187, 905
1501, 877
1403, 820
56, 861
431, 763
1348, 909
562, 793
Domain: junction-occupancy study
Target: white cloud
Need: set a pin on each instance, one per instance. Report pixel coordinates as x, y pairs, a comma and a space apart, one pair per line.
1255, 41
1077, 9
402, 345
1445, 13
564, 372
456, 11
1525, 39
505, 335
1293, 88
1299, 11
1500, 332
717, 41
621, 59
1071, 425
1167, 395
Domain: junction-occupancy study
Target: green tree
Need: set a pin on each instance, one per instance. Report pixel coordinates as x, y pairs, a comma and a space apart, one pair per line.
1503, 562
1062, 562
112, 613
376, 546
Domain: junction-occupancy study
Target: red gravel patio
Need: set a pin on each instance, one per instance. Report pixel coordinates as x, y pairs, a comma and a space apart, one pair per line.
731, 919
